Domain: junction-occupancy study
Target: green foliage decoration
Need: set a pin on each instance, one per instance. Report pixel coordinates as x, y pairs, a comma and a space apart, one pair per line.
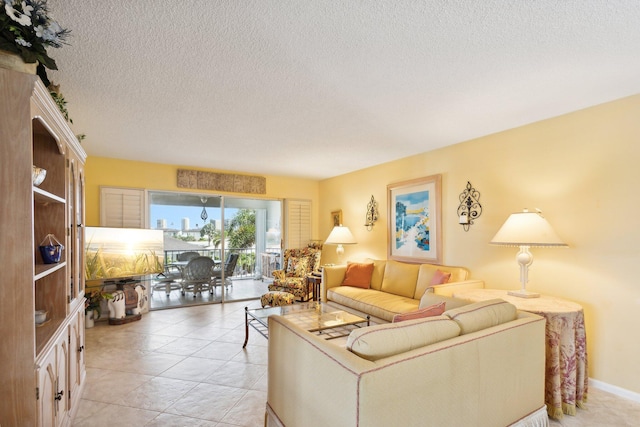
26, 28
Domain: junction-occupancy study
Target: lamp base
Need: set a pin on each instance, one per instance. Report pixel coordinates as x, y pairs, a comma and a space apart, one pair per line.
523, 294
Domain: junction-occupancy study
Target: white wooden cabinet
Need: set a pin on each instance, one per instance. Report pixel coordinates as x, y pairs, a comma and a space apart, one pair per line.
42, 365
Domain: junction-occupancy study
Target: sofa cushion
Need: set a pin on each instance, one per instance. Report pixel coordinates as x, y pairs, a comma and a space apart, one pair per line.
379, 341
358, 275
376, 303
400, 278
482, 315
432, 310
379, 266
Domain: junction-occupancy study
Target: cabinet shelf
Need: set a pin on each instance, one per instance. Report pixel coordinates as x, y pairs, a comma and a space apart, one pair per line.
44, 197
44, 334
43, 270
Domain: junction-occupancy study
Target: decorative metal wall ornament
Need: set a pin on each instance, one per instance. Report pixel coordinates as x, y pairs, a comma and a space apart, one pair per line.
204, 215
372, 214
470, 207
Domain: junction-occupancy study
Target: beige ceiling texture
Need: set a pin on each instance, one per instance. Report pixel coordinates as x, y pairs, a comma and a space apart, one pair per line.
318, 88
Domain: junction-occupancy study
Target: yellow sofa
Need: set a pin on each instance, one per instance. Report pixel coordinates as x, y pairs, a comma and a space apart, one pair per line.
396, 287
470, 367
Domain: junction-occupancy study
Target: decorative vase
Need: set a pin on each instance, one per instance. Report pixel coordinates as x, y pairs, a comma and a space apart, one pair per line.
89, 321
13, 61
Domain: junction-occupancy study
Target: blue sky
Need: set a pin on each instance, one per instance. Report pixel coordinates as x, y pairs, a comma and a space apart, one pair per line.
174, 215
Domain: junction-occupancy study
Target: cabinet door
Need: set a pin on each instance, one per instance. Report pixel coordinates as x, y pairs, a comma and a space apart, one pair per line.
80, 224
47, 389
62, 396
76, 358
75, 234
52, 408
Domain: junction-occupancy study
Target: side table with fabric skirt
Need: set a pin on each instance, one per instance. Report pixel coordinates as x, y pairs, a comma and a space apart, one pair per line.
566, 382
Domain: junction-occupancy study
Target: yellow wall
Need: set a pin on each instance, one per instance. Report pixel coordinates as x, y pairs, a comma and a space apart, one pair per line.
581, 170
101, 171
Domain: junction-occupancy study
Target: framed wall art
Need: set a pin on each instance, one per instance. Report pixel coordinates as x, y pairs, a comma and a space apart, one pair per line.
415, 233
336, 218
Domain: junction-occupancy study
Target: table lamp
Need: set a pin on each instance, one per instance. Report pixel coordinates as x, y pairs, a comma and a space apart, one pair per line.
526, 229
340, 235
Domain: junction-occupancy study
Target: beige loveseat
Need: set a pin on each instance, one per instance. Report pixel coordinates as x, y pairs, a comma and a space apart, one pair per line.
396, 287
478, 365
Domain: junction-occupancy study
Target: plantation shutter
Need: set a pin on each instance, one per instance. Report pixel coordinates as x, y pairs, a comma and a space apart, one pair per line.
297, 223
123, 208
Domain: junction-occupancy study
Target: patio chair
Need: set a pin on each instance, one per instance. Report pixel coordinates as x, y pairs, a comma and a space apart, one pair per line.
171, 271
187, 256
229, 267
171, 277
197, 276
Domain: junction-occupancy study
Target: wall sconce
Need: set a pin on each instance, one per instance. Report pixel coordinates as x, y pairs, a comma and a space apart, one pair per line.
470, 207
372, 214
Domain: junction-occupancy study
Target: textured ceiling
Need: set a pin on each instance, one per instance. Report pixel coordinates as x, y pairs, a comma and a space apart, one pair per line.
318, 88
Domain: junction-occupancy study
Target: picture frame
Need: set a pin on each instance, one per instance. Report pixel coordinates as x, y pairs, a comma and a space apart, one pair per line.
414, 220
336, 218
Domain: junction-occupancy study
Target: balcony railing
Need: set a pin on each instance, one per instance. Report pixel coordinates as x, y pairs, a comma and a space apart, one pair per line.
247, 260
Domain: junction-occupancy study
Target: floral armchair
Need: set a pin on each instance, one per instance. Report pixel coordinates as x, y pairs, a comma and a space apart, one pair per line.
298, 265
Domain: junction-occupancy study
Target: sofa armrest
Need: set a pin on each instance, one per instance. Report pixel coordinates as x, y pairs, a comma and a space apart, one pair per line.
332, 276
308, 375
448, 289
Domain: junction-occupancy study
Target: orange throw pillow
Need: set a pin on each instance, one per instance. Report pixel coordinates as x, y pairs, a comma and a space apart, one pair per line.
358, 275
432, 310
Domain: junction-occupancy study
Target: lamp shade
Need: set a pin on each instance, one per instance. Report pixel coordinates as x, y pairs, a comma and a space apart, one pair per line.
340, 235
526, 229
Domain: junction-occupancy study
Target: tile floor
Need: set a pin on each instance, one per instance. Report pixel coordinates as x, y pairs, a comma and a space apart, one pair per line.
242, 289
182, 367
186, 367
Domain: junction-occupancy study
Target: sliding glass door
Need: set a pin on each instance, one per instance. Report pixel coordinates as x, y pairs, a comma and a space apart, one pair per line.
239, 234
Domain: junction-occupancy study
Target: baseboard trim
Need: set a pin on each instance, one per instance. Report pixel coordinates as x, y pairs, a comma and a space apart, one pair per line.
618, 391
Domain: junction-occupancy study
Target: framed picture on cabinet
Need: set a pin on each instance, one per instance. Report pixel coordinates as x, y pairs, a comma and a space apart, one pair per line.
415, 233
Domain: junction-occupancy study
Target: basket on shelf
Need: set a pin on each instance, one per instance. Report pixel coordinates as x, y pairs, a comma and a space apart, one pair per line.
51, 249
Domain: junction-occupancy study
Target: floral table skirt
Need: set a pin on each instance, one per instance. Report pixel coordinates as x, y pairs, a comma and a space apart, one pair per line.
566, 363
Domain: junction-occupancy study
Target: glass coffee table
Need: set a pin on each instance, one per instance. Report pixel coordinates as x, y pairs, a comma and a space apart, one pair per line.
311, 316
